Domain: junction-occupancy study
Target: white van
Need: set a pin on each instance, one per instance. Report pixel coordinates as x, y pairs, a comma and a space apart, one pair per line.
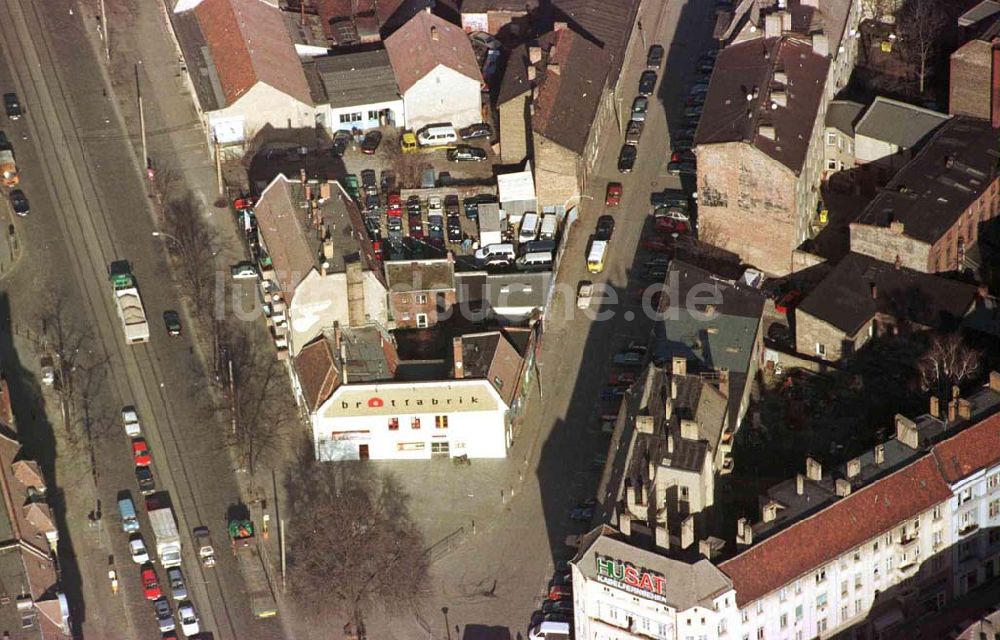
534, 261
595, 258
550, 226
494, 253
529, 227
549, 630
434, 135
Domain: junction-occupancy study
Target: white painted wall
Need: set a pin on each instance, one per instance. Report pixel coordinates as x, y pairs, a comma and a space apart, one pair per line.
262, 105
333, 122
443, 95
319, 301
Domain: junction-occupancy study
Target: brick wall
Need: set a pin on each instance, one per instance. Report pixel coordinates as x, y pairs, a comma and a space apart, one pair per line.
885, 244
948, 253
811, 331
747, 204
969, 81
406, 305
514, 131
556, 177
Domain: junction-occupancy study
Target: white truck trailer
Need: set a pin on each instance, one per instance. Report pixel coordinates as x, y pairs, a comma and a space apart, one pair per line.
129, 306
168, 541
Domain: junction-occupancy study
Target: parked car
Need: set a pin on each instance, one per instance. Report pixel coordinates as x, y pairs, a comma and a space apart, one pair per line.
622, 379
242, 270
706, 67
130, 418
172, 321
454, 224
434, 205
371, 142
626, 158
19, 202
698, 87
164, 617
628, 358
669, 197
435, 228
451, 207
670, 225
658, 244
671, 211
178, 589
137, 549
557, 606
654, 272
682, 145
368, 179
634, 132
144, 476
639, 107
582, 514
613, 194
140, 452
416, 224
466, 153
692, 112
695, 100
340, 141
189, 619
476, 131
654, 57
150, 583
647, 83
605, 227
684, 167
12, 105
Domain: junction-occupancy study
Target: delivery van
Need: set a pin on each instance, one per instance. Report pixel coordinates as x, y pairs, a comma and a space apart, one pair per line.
435, 135
595, 258
495, 253
534, 261
550, 226
529, 227
130, 524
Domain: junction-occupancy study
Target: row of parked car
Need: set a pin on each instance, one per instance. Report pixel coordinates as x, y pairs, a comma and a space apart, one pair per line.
640, 105
682, 161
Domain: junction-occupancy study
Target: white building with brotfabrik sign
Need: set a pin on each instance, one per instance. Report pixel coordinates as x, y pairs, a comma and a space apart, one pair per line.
413, 420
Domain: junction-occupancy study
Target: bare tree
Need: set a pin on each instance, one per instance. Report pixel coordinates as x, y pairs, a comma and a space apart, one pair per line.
947, 362
194, 244
353, 545
920, 25
878, 10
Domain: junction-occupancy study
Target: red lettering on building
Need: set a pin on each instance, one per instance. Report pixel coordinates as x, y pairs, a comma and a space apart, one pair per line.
375, 403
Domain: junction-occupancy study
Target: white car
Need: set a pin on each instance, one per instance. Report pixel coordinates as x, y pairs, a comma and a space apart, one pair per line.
673, 213
243, 270
138, 549
189, 620
434, 205
131, 419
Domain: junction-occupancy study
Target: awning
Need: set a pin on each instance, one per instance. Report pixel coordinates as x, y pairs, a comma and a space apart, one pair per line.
888, 619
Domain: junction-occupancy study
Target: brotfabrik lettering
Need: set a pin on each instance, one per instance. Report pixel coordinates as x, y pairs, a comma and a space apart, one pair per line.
376, 403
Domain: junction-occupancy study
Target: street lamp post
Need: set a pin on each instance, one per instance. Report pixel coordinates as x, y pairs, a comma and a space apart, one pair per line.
164, 234
142, 116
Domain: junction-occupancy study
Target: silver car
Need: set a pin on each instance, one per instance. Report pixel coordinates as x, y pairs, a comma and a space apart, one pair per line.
178, 589
164, 617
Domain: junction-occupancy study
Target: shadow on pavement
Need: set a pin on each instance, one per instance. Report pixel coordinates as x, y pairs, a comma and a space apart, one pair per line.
38, 440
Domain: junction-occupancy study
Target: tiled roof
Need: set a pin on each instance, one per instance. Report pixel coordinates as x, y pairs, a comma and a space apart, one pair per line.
249, 44
811, 543
513, 6
314, 366
977, 447
425, 42
491, 356
954, 167
282, 228
844, 298
357, 79
842, 114
898, 123
753, 68
515, 76
570, 81
593, 19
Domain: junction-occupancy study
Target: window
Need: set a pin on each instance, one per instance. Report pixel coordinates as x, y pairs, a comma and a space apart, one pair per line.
821, 600
875, 570
831, 165
820, 349
440, 422
415, 423
684, 496
744, 615
760, 607
968, 521
857, 606
798, 635
421, 320
393, 424
857, 580
850, 147
783, 594
965, 496
936, 514
821, 625
439, 447
373, 115
857, 555
347, 118
888, 563
831, 138
821, 576
798, 587
722, 626
760, 633
994, 508
783, 621
421, 298
843, 613
843, 587
937, 539
798, 612
875, 547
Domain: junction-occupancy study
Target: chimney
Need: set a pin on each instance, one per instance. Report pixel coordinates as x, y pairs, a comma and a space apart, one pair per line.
687, 532
553, 67
724, 381
779, 98
534, 55
458, 355
325, 190
874, 291
302, 175
814, 470
324, 268
670, 443
673, 388
338, 336
995, 380
625, 524
644, 424
964, 409
879, 454
744, 533
558, 26
769, 512
355, 295
935, 409
630, 496
707, 549
842, 487
328, 249
853, 467
767, 131
689, 430
821, 44
532, 74
772, 25
906, 431
956, 392
668, 409
995, 87
800, 484
786, 21
679, 366
434, 31
427, 9
662, 538
897, 226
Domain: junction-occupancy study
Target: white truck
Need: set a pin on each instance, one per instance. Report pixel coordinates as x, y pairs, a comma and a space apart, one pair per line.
168, 541
129, 305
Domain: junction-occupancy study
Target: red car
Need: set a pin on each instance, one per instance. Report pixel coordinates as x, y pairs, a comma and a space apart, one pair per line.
670, 225
150, 584
394, 200
788, 301
622, 379
613, 196
560, 592
141, 453
658, 244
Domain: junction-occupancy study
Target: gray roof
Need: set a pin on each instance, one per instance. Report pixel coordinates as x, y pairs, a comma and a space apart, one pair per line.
981, 11
199, 60
517, 289
899, 123
353, 79
842, 114
685, 585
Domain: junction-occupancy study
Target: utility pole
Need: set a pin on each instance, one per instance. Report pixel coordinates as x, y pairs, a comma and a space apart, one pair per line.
281, 540
142, 116
105, 32
232, 395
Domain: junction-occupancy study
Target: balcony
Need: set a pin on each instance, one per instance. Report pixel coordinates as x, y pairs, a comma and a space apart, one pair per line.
910, 538
967, 528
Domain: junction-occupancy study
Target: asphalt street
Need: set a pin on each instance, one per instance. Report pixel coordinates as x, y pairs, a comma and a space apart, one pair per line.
90, 206
499, 575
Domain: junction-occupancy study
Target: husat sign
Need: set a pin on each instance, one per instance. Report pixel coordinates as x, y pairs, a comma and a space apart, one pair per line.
627, 577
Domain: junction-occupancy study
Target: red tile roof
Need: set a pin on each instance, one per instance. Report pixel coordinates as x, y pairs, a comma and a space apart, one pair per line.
974, 448
425, 42
812, 542
249, 44
316, 371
